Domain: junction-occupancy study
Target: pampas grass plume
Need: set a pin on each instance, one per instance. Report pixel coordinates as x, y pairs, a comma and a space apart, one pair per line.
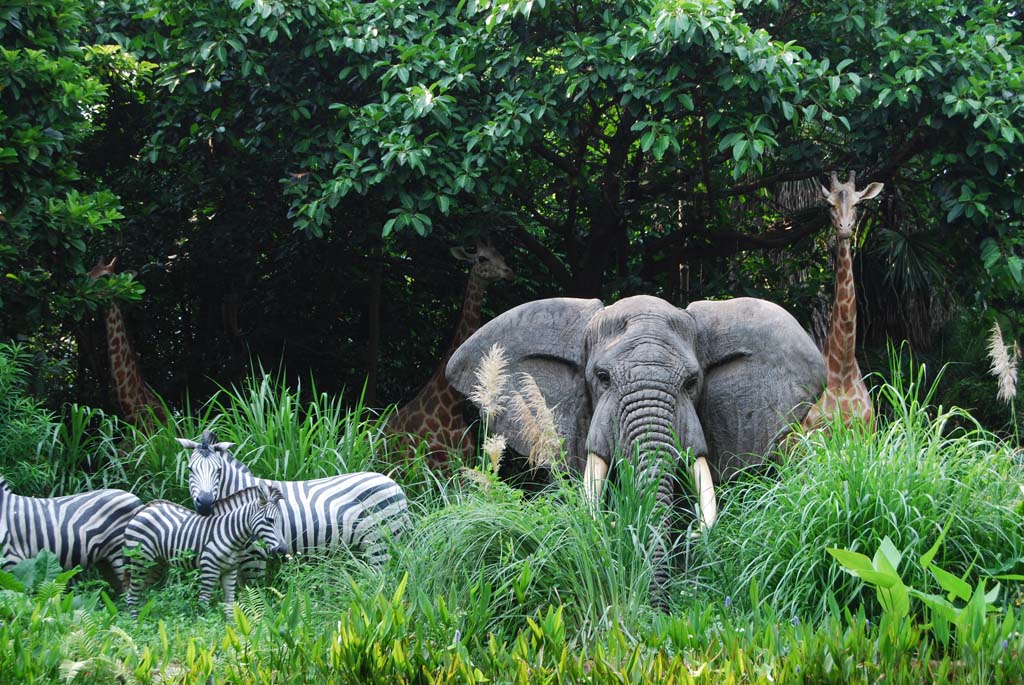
1004, 364
537, 423
494, 447
476, 477
491, 377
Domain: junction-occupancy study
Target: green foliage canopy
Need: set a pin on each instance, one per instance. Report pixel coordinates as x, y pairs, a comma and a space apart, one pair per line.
663, 146
51, 101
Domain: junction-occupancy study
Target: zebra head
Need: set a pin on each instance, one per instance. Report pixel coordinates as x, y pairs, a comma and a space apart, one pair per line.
205, 469
267, 526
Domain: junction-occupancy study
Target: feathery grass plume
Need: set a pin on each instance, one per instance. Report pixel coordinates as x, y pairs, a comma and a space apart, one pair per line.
1004, 364
536, 423
491, 377
494, 447
476, 477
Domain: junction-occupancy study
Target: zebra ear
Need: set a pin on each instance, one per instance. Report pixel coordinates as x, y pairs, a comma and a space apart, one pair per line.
223, 446
187, 444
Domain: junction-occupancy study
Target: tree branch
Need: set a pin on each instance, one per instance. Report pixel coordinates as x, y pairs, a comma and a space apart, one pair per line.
548, 258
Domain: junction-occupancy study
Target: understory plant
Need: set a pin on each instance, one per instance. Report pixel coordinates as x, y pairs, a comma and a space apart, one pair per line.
531, 552
922, 468
25, 425
980, 629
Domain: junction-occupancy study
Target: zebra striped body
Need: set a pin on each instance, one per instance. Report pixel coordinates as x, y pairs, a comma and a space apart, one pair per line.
215, 544
363, 511
80, 530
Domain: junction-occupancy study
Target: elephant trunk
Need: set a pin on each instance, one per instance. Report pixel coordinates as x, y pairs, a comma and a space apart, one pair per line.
648, 428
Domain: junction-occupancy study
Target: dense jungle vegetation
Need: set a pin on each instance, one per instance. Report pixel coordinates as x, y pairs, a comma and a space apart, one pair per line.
282, 181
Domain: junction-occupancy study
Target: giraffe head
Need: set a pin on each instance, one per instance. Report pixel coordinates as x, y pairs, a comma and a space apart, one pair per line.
488, 264
102, 269
842, 199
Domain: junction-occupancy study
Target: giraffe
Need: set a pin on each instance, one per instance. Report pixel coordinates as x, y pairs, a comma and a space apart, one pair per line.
435, 413
845, 390
138, 403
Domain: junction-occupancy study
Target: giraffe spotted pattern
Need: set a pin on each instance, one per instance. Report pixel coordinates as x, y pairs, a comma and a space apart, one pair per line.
845, 390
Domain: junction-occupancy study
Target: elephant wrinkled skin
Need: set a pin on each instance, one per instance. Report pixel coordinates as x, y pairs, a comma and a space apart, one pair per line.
725, 378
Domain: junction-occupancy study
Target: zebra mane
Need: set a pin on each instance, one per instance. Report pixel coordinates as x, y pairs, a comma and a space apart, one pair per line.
237, 464
230, 460
4, 487
208, 439
244, 497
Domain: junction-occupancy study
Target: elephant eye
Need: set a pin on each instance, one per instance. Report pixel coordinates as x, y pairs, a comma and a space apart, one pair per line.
690, 386
603, 377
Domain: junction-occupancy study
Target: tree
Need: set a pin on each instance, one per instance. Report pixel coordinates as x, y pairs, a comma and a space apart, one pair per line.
51, 99
665, 147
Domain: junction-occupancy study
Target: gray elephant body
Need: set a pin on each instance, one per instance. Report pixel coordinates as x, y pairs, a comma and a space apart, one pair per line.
735, 373
724, 378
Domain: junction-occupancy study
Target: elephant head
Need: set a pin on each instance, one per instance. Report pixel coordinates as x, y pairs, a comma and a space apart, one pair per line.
723, 379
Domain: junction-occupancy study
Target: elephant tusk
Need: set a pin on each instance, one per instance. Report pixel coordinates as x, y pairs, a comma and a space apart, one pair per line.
594, 475
706, 491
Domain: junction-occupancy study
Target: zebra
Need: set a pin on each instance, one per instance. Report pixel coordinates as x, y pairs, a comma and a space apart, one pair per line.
86, 529
215, 544
360, 510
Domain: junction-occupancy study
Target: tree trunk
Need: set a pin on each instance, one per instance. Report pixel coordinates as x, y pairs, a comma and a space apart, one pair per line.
373, 319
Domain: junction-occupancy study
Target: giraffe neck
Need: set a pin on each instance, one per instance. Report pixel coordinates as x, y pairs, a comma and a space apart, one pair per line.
469, 317
840, 347
132, 393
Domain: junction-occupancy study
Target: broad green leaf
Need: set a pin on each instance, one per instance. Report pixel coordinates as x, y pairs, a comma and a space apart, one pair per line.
887, 553
8, 581
895, 599
956, 587
739, 149
990, 253
882, 579
1013, 263
853, 561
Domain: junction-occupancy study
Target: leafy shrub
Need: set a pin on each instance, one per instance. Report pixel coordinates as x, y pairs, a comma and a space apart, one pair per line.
26, 427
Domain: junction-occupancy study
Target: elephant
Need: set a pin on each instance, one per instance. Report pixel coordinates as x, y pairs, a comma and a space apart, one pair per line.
723, 379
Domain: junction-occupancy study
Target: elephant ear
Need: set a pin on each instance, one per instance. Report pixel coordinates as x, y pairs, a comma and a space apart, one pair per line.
762, 372
543, 338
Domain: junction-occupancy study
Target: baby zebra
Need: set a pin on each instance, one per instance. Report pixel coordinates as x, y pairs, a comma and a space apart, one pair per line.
163, 531
363, 511
84, 530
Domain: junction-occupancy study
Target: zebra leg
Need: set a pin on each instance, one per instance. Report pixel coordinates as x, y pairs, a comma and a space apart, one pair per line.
227, 582
209, 572
253, 567
137, 575
10, 560
375, 544
120, 570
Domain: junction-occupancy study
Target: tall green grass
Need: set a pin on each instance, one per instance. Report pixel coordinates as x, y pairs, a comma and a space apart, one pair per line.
26, 426
923, 467
550, 549
278, 431
492, 583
